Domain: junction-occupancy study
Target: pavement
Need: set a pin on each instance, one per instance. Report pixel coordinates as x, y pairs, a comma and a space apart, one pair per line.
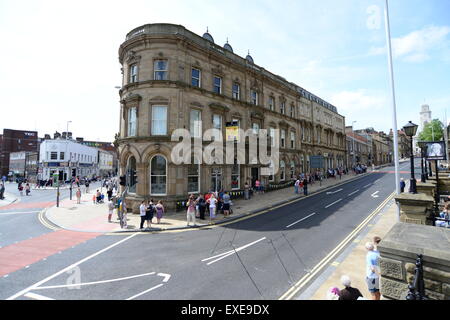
90, 217
8, 199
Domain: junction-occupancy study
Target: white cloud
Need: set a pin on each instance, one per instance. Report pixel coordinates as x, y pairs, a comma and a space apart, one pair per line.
417, 45
359, 100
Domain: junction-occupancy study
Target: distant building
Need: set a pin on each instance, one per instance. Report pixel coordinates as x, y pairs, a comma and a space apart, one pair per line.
68, 159
15, 141
24, 164
359, 148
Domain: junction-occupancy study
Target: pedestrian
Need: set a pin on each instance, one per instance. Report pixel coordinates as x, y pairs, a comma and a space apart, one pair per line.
78, 195
305, 186
212, 207
296, 186
149, 212
190, 214
207, 196
2, 191
109, 193
201, 206
159, 211
27, 189
258, 186
226, 204
348, 293
110, 210
20, 187
246, 191
98, 196
402, 185
333, 293
372, 271
94, 198
142, 213
376, 242
86, 184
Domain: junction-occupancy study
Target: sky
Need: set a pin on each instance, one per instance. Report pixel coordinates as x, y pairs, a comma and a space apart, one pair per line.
59, 59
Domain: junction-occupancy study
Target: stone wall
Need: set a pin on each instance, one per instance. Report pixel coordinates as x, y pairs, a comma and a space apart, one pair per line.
399, 251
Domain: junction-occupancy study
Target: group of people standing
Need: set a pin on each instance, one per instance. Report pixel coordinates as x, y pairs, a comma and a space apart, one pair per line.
301, 183
147, 210
27, 188
372, 277
211, 202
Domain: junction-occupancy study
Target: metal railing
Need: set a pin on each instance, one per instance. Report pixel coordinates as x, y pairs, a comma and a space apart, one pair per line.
417, 287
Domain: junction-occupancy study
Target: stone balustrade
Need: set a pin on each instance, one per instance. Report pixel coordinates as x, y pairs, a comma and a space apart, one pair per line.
398, 251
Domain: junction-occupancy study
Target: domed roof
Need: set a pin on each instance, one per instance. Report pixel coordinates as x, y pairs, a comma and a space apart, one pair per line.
208, 36
227, 46
249, 58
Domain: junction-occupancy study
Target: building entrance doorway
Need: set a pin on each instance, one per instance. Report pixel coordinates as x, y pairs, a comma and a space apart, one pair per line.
216, 179
255, 175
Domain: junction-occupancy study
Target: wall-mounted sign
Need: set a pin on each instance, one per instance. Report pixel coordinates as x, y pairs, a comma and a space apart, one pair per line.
435, 150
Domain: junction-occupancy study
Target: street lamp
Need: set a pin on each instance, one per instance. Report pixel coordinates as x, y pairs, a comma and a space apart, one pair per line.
68, 159
353, 136
410, 130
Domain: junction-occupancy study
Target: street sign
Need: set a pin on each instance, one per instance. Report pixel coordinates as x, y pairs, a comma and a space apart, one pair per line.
316, 162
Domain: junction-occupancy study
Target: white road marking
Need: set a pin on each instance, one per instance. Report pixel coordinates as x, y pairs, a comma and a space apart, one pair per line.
144, 292
374, 195
231, 252
353, 192
332, 192
37, 296
301, 220
165, 275
333, 203
37, 284
95, 282
368, 185
6, 213
376, 180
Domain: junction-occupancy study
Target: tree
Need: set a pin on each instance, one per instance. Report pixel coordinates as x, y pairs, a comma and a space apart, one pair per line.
433, 131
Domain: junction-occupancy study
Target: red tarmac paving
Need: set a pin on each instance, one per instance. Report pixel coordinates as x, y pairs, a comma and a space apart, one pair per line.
17, 256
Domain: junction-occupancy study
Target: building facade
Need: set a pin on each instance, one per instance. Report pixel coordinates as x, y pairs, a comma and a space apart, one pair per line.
173, 78
24, 164
359, 149
68, 159
15, 141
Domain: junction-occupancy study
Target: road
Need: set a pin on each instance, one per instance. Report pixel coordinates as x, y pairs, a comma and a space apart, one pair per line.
258, 258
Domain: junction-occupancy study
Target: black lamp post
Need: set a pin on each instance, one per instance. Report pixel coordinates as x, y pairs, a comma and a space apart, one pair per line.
410, 130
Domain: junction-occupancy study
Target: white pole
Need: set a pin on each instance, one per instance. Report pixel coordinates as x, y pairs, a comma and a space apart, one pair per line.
394, 112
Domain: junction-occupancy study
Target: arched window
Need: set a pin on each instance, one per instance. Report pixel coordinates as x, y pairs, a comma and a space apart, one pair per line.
131, 175
158, 175
282, 170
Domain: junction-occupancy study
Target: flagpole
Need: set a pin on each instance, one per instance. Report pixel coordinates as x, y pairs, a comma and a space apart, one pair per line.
394, 112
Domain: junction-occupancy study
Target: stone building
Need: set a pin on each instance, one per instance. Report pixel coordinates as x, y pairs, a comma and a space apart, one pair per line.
359, 149
173, 78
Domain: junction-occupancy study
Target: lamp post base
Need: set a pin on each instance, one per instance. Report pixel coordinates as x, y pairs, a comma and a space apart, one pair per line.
412, 186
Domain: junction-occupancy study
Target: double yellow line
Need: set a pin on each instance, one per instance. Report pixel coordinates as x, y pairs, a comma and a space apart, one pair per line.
44, 221
303, 281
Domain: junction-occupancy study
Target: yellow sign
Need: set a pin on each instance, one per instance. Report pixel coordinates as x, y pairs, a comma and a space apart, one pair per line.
232, 133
